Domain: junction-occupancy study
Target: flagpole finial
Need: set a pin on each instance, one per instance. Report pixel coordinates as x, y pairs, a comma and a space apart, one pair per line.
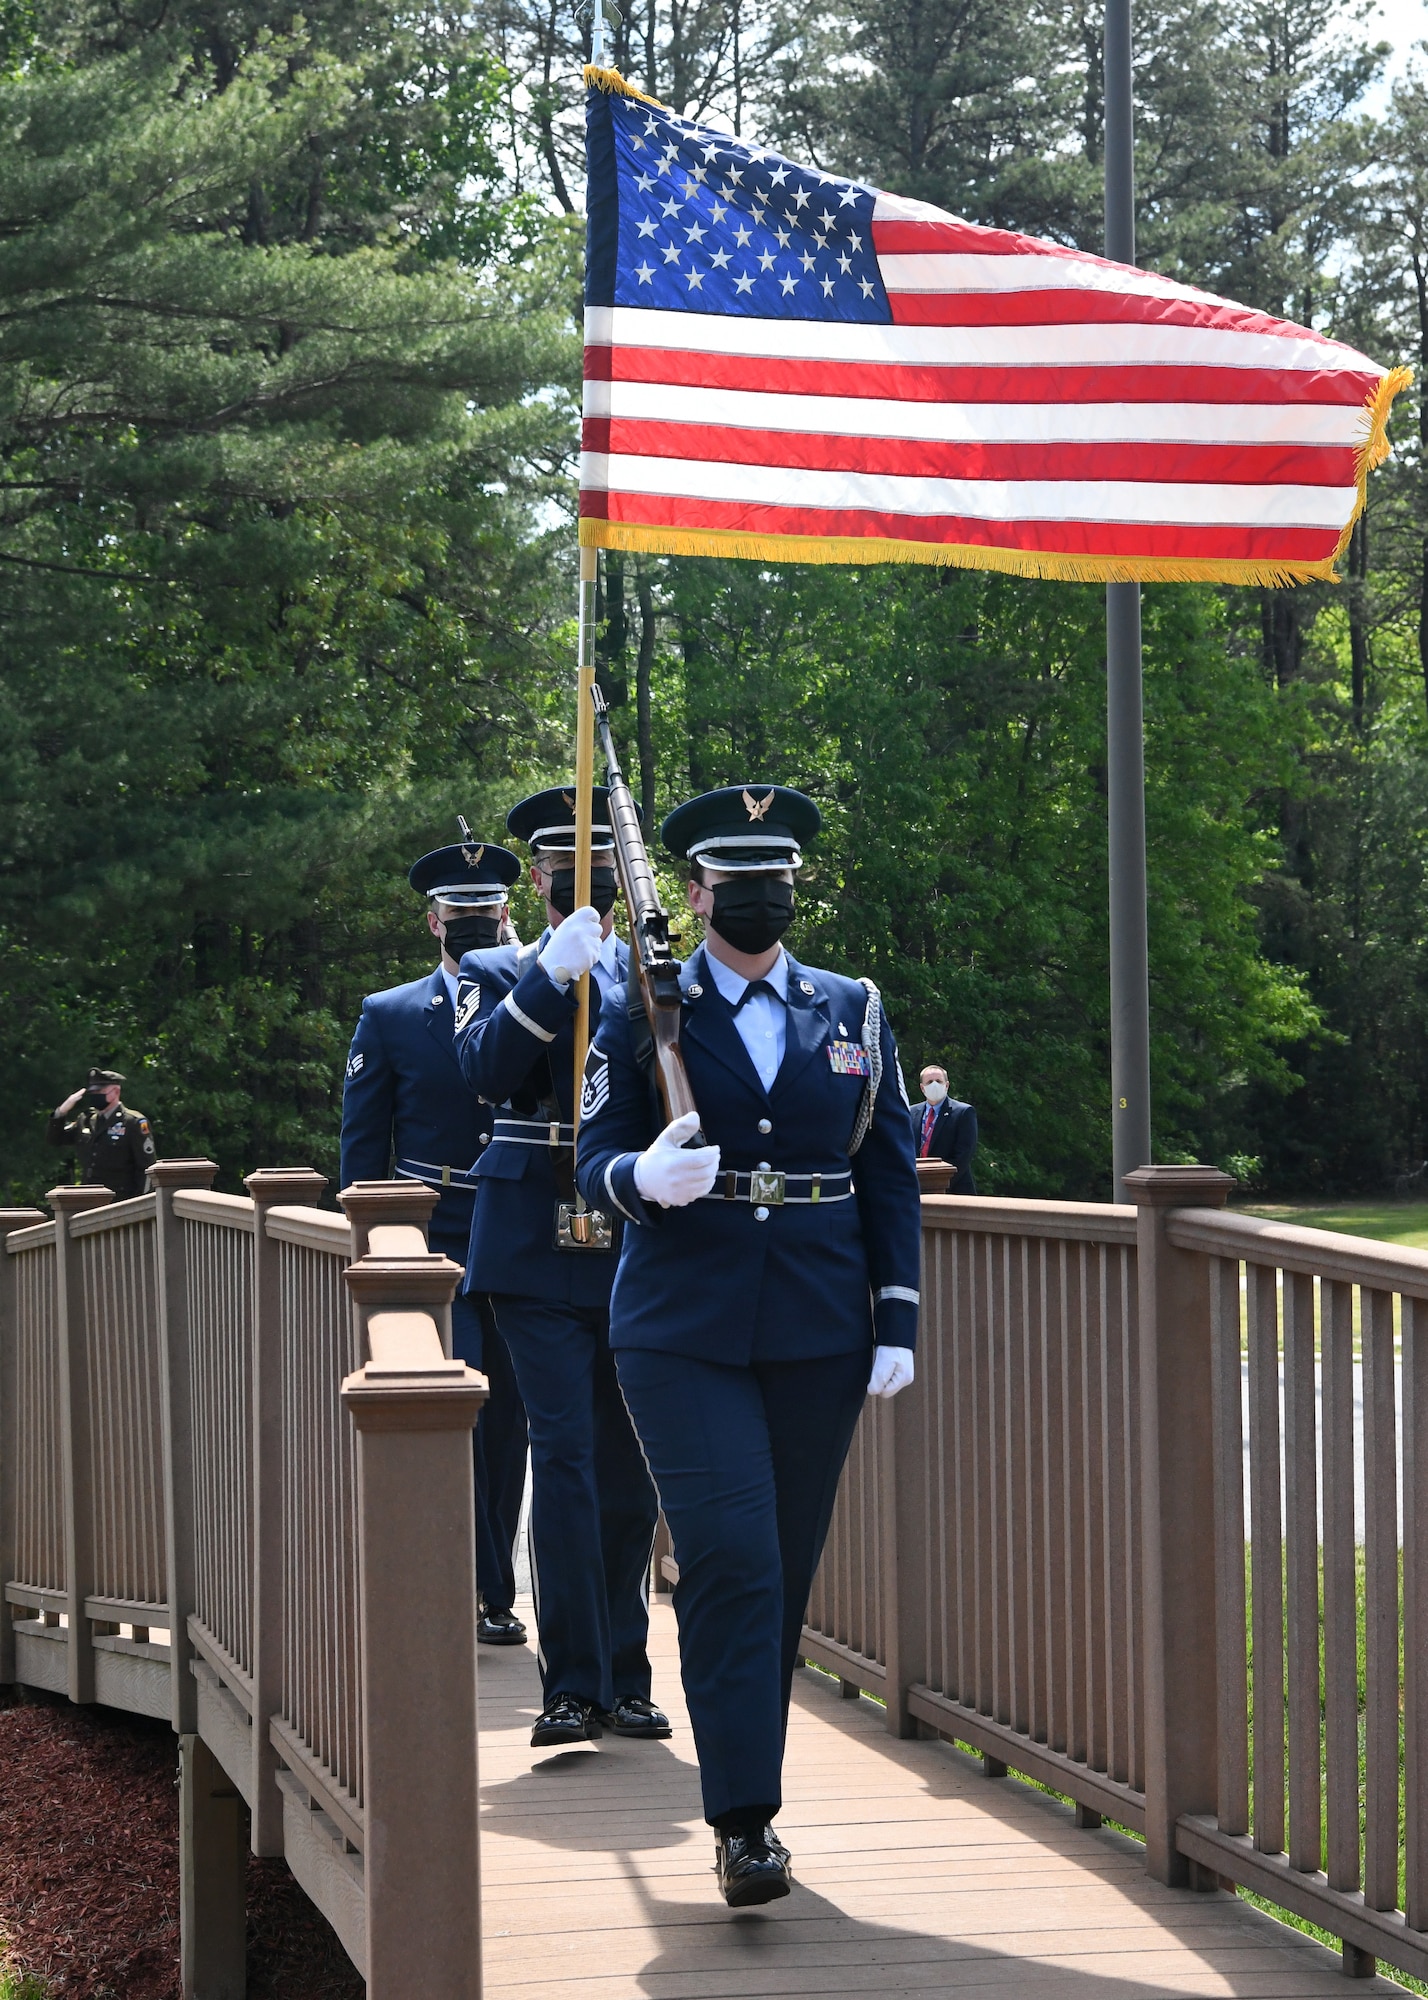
597, 12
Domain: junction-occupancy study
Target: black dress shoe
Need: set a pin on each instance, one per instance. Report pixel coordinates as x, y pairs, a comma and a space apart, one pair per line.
753, 1868
633, 1715
499, 1628
566, 1719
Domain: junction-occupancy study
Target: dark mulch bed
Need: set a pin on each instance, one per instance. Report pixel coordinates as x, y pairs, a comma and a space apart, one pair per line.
89, 1893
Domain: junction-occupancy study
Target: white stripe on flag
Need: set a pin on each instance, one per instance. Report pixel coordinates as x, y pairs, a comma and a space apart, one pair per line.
956, 271
1096, 345
977, 499
981, 423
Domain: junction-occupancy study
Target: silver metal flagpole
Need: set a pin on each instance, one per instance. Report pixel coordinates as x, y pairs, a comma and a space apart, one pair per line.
1125, 732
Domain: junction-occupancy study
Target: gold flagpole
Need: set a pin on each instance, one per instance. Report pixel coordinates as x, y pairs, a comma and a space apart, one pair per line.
584, 784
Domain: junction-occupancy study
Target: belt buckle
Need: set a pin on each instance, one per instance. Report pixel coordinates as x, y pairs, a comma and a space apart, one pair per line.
767, 1188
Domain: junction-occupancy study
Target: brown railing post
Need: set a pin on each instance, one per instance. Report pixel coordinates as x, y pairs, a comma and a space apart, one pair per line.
414, 1411
213, 1918
1177, 1510
171, 1263
76, 1446
370, 1205
270, 1188
10, 1219
903, 1554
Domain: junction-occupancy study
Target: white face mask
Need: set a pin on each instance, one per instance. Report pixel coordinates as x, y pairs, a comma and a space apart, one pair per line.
934, 1090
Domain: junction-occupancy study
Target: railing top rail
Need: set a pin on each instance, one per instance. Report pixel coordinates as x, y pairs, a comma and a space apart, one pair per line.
228, 1211
1064, 1221
315, 1228
38, 1236
1316, 1253
115, 1215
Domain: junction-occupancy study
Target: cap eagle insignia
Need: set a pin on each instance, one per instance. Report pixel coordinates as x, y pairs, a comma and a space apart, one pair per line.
569, 798
757, 808
474, 855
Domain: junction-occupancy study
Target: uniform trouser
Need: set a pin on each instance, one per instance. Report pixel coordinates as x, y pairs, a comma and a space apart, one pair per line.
747, 1461
498, 1450
593, 1503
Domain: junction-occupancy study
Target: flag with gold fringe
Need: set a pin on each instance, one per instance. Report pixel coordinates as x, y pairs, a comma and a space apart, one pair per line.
782, 364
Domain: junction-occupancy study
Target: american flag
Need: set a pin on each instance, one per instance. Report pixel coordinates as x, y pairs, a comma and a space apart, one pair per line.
783, 364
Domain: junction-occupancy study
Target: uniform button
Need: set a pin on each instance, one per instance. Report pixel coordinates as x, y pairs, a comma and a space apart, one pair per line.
766, 1125
761, 1215
763, 1166
485, 1138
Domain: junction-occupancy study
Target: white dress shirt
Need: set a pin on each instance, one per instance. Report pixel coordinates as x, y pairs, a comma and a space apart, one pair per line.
762, 1024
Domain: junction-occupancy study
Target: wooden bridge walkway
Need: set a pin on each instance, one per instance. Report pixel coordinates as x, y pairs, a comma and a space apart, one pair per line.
916, 1875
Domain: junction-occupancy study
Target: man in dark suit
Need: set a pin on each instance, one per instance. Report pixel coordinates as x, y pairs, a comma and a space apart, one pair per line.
946, 1129
403, 1102
765, 1287
548, 1266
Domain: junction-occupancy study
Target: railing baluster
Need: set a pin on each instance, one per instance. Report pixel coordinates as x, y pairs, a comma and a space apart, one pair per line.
1232, 1693
1302, 1566
1082, 1258
1266, 1559
1380, 1602
11, 1423
1341, 1677
1415, 1612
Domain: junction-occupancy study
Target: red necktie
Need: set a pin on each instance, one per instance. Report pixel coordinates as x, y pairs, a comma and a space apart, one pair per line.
929, 1119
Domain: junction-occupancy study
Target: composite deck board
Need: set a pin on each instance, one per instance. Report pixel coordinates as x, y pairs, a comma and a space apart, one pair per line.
916, 1875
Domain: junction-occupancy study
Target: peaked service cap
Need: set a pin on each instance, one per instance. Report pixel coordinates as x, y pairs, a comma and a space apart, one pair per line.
98, 1079
474, 871
547, 819
743, 828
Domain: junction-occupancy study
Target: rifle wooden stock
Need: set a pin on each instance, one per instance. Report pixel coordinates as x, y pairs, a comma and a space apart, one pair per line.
655, 967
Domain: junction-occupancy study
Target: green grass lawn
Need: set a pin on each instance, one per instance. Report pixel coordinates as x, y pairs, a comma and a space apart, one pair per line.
1404, 1222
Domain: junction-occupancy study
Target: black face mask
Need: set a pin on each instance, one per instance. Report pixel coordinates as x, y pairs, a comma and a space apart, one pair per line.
602, 891
95, 1100
474, 933
752, 914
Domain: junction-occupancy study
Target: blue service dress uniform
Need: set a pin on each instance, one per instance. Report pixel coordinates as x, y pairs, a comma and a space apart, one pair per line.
744, 1328
593, 1504
953, 1138
403, 1099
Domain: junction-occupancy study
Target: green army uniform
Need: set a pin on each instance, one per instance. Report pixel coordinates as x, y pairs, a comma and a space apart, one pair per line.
115, 1148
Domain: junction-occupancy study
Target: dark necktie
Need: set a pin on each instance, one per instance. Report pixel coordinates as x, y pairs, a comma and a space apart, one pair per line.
754, 986
929, 1119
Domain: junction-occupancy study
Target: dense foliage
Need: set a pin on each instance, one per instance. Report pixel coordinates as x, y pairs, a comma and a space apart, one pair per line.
288, 354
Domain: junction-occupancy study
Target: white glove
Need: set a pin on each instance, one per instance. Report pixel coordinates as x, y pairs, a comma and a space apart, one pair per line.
670, 1176
892, 1370
574, 946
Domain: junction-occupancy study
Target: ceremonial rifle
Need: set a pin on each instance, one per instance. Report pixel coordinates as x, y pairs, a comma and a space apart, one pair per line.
653, 962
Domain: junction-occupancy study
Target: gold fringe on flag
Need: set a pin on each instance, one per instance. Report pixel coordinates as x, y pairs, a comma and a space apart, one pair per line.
614, 85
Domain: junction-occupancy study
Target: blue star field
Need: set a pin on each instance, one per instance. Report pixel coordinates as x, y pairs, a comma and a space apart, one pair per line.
686, 219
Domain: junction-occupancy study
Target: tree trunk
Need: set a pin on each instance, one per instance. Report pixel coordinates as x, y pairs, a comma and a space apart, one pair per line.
1358, 618
644, 727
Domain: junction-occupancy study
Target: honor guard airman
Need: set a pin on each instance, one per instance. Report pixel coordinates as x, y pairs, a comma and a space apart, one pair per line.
404, 1111
769, 1282
113, 1145
548, 1265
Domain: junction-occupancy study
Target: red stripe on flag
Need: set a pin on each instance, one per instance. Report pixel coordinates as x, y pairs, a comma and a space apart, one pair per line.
1237, 543
1071, 307
900, 382
904, 236
1153, 462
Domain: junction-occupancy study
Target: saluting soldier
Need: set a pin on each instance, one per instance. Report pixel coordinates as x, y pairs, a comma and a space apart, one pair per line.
548, 1270
769, 1281
404, 1110
114, 1146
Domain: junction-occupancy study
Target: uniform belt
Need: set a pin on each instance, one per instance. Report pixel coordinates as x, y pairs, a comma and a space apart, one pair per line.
533, 1132
434, 1176
766, 1188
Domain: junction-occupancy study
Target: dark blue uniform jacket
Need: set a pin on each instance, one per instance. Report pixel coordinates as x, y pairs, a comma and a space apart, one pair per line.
403, 1098
713, 1280
516, 1041
954, 1139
